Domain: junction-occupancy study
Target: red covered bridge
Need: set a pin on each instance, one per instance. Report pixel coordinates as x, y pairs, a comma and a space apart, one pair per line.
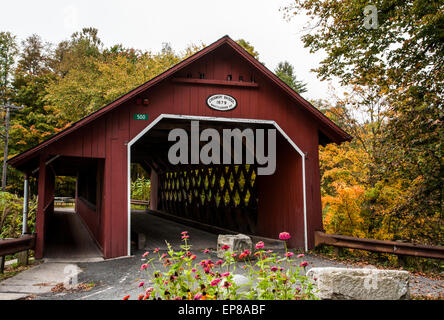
99, 149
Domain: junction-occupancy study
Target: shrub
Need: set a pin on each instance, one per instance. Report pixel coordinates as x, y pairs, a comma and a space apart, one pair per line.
11, 215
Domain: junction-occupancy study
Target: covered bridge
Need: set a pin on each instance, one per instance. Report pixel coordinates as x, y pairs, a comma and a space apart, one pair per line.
99, 149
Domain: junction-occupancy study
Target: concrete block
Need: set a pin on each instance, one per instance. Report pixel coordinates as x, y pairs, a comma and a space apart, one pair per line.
360, 284
237, 243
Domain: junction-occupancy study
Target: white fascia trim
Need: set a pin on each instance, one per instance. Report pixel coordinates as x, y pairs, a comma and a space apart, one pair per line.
221, 119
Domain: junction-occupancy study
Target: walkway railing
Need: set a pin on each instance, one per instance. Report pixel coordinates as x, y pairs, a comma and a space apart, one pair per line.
140, 202
11, 246
384, 246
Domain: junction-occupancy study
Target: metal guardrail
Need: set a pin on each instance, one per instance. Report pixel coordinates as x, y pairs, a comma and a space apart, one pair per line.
384, 246
11, 246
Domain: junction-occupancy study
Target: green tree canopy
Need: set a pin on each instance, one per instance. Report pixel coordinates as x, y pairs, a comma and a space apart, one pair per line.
285, 72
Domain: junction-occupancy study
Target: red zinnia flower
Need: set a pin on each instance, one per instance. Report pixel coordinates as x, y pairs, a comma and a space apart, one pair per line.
225, 247
226, 274
300, 255
145, 254
206, 251
126, 297
193, 257
289, 254
273, 268
141, 296
141, 284
219, 262
304, 264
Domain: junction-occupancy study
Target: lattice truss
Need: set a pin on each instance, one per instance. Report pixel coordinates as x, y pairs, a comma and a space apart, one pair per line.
224, 196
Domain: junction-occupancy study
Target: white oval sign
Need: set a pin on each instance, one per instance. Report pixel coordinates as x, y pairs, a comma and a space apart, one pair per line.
221, 102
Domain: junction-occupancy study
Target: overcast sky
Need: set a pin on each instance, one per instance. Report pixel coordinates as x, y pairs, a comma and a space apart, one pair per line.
146, 24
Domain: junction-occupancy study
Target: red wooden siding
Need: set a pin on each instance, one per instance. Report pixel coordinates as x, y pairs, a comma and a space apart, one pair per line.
280, 195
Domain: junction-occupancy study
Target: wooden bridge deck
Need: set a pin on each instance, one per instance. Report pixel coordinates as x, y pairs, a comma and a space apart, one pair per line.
68, 238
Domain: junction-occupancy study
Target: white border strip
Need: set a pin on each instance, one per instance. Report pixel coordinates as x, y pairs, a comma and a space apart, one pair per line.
221, 119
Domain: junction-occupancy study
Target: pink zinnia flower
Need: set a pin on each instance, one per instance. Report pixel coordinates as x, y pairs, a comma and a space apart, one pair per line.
234, 255
145, 254
226, 284
144, 266
215, 282
226, 274
163, 255
156, 250
198, 296
147, 291
206, 251
225, 247
219, 262
184, 232
185, 237
269, 251
284, 236
260, 245
300, 255
273, 269
141, 284
193, 270
304, 264
289, 254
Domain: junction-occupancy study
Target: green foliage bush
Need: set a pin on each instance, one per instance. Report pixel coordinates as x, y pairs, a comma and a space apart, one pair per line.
11, 215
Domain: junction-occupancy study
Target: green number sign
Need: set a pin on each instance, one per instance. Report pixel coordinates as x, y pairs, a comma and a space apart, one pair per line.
140, 116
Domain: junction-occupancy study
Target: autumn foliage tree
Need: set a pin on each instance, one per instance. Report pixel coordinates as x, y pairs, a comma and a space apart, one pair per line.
59, 84
399, 61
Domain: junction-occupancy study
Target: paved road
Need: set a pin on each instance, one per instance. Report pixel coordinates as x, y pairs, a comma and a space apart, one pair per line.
117, 278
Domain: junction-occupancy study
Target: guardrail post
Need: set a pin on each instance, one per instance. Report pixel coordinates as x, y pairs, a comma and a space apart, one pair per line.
22, 258
2, 264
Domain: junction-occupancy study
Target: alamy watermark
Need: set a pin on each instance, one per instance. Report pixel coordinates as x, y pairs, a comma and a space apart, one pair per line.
370, 17
233, 145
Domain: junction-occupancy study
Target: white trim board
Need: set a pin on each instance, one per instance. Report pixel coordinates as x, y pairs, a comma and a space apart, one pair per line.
221, 119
